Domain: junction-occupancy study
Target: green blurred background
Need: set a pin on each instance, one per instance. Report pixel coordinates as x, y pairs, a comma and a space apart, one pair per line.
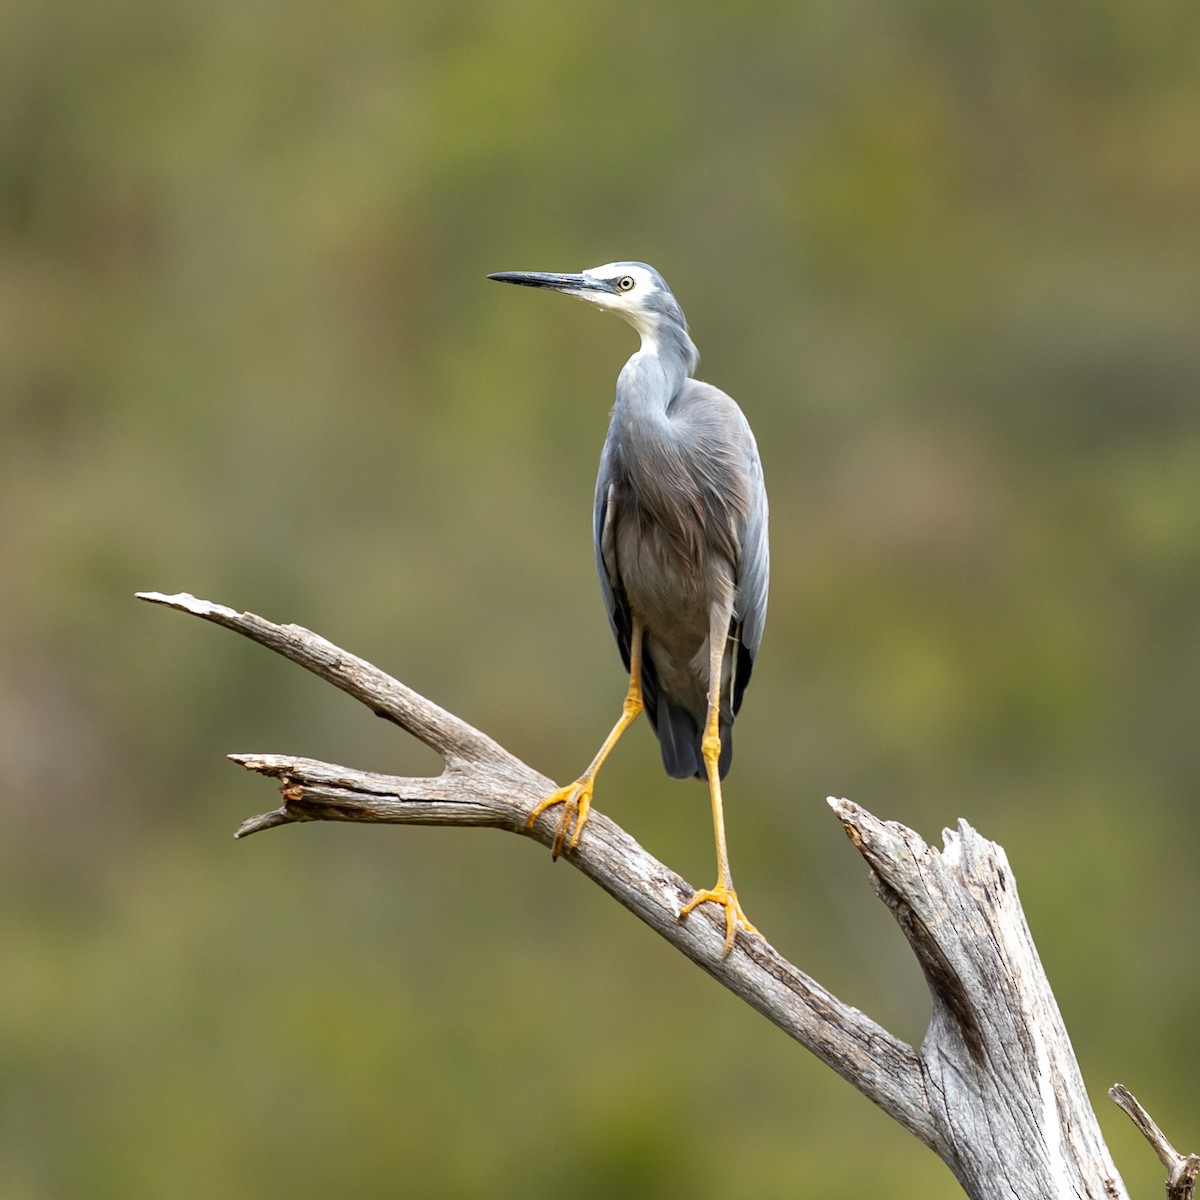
947, 257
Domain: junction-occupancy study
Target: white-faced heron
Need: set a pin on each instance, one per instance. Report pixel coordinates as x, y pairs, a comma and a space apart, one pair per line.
680, 529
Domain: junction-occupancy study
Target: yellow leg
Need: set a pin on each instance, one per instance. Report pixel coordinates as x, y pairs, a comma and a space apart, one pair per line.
723, 893
576, 798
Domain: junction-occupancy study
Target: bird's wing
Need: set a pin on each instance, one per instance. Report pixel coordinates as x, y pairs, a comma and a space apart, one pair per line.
730, 475
753, 574
616, 603
612, 587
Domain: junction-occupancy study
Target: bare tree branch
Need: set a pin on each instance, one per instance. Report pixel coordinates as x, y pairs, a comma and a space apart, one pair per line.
994, 1090
1181, 1168
483, 784
1007, 1098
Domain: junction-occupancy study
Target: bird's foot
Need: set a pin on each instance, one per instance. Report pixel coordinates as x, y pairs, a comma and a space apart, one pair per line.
576, 799
735, 919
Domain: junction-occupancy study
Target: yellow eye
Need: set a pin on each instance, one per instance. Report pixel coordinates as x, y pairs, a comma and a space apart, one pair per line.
625, 283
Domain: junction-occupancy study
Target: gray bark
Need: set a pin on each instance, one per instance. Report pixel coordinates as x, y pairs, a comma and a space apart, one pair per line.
994, 1089
1181, 1168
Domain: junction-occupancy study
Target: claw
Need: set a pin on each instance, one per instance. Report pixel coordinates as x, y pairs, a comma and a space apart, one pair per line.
726, 897
576, 799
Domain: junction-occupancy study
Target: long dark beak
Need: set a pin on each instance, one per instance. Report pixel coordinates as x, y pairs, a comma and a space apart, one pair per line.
558, 283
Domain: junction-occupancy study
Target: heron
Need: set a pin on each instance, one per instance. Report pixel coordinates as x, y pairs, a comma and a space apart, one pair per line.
680, 534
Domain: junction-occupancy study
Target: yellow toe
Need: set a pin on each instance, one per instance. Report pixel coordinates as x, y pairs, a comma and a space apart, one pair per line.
576, 801
735, 918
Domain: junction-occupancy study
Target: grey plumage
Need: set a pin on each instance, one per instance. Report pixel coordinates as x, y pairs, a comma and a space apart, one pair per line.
680, 517
680, 525
680, 531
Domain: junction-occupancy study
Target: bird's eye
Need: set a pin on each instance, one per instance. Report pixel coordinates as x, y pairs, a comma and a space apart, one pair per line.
625, 283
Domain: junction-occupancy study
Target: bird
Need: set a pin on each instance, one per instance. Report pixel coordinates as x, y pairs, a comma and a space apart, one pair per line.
680, 534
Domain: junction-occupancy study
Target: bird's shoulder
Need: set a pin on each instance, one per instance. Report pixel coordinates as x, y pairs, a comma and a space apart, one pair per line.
695, 395
712, 422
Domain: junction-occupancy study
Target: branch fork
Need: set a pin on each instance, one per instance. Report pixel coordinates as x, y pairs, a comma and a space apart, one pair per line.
994, 1089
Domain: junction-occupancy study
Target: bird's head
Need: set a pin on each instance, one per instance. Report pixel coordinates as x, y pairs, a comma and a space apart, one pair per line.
632, 290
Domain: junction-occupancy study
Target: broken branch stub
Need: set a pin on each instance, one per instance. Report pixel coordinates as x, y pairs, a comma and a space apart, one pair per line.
994, 1090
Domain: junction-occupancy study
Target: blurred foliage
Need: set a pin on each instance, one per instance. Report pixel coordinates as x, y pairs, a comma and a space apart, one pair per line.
945, 256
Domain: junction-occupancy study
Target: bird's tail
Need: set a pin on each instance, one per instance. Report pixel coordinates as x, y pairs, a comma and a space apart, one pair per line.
680, 736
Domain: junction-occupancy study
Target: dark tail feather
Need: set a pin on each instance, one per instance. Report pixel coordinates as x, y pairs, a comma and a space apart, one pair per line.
681, 732
679, 736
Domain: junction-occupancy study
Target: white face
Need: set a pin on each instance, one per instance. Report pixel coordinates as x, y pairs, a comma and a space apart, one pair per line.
633, 284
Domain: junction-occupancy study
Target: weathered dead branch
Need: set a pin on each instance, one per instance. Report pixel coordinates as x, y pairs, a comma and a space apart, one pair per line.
1181, 1168
994, 1089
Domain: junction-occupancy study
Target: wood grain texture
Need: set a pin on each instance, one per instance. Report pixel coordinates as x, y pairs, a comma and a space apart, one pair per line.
1182, 1169
994, 1090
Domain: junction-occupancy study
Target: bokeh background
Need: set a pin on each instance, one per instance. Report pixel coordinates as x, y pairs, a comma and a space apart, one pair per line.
947, 257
